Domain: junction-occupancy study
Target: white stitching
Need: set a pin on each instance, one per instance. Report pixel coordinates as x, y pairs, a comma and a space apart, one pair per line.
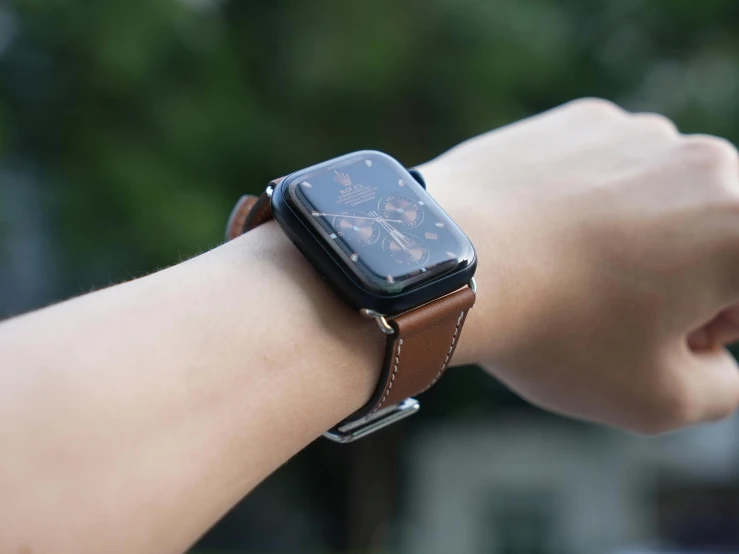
392, 376
438, 375
449, 352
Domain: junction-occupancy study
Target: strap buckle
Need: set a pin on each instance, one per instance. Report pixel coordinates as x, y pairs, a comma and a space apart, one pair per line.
353, 430
356, 429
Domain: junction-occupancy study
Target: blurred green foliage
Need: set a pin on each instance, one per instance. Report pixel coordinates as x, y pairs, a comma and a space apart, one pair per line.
141, 121
145, 119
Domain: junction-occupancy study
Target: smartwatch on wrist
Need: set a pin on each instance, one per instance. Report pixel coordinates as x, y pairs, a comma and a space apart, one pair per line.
388, 250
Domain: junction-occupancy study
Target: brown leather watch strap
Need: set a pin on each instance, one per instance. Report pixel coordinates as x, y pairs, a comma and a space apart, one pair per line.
250, 211
419, 351
237, 220
424, 339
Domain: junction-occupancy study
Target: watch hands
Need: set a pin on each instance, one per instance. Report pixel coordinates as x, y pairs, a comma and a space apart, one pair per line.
393, 231
397, 236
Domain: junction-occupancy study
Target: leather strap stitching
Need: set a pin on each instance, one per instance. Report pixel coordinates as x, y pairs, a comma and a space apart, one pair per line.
392, 377
449, 352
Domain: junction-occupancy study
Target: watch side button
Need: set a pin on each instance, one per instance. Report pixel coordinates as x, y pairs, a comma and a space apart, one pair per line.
418, 177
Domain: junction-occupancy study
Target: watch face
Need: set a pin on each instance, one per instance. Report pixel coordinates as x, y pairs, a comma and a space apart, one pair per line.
381, 225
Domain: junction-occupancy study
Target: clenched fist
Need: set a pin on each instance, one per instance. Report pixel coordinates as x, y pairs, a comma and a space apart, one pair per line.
609, 263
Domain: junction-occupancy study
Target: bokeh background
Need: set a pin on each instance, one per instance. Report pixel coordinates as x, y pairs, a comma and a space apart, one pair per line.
129, 127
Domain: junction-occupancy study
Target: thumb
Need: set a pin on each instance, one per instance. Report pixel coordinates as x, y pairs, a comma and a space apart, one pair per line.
722, 329
712, 378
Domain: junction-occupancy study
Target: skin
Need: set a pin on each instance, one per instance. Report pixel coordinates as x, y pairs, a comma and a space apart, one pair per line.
132, 418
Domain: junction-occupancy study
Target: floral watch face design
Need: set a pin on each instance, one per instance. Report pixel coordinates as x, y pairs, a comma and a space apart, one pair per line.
386, 229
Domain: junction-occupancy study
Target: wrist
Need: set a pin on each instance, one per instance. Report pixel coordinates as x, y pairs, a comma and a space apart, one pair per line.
490, 329
333, 355
423, 329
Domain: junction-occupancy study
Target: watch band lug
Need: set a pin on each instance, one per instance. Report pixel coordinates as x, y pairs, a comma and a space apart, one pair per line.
382, 323
354, 430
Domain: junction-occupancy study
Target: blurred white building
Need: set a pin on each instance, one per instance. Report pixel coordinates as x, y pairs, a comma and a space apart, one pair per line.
528, 486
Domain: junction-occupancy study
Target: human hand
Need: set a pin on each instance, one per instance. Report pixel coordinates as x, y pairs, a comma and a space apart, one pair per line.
608, 275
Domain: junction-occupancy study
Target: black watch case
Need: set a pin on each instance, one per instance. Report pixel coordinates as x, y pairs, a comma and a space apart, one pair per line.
372, 231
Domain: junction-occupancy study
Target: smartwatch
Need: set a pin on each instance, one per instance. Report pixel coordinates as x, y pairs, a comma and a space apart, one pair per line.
388, 250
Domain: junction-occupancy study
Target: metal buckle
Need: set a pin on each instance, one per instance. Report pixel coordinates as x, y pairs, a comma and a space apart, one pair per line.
353, 430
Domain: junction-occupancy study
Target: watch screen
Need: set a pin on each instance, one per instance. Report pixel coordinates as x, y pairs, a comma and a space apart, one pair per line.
384, 227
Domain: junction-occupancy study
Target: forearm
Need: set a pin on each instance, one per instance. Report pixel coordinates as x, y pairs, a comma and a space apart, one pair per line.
132, 418
137, 415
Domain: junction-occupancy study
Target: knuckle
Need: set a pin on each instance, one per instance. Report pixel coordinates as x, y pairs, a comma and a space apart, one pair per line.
677, 406
657, 123
725, 404
597, 107
710, 153
716, 161
670, 407
722, 412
